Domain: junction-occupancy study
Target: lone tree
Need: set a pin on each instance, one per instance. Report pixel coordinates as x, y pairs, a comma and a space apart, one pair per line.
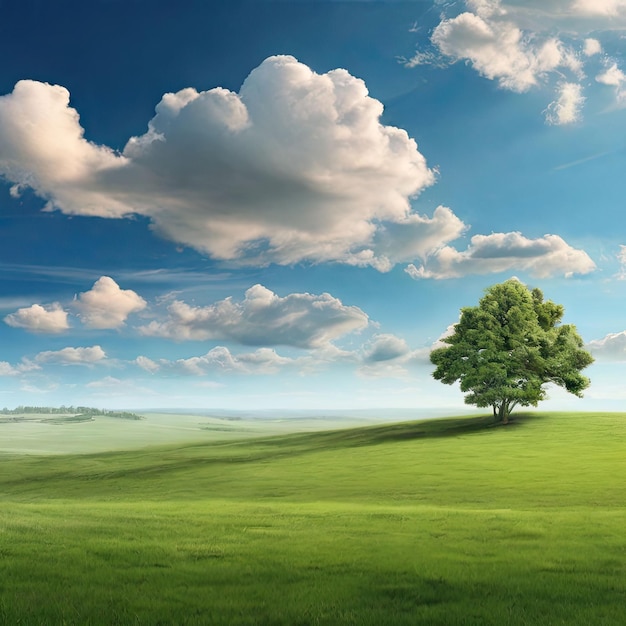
505, 349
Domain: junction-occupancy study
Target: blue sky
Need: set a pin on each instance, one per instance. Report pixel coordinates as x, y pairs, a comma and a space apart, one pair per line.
285, 204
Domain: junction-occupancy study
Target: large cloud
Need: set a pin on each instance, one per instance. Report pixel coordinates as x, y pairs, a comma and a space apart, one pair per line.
106, 305
296, 166
72, 356
39, 319
547, 256
302, 320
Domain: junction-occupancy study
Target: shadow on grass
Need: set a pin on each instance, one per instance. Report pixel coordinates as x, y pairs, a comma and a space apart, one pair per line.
403, 431
155, 461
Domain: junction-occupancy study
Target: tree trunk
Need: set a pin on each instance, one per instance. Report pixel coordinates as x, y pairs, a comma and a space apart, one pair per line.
503, 413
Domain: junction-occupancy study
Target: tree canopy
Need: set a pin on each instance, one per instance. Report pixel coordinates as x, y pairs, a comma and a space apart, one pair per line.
506, 349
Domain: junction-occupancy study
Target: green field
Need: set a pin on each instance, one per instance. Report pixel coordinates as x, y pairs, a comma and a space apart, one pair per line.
442, 522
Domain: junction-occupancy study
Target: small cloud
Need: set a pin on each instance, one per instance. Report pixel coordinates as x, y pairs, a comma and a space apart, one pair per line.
612, 347
39, 319
566, 108
385, 348
72, 356
614, 77
591, 47
621, 256
6, 369
106, 305
147, 364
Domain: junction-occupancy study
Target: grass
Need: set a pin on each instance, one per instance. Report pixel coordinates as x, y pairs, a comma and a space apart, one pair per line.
441, 522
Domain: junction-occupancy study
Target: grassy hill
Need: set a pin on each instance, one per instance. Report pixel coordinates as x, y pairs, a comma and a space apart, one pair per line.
440, 522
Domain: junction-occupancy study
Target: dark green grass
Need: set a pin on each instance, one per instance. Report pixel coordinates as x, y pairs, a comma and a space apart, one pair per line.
442, 522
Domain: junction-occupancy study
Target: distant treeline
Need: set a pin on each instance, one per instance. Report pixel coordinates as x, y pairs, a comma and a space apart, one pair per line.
69, 410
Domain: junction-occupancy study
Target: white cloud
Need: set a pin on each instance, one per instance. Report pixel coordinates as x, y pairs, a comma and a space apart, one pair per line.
106, 305
295, 167
386, 347
72, 356
220, 360
39, 319
43, 148
592, 47
147, 364
6, 369
498, 49
547, 256
389, 356
607, 8
609, 348
263, 318
567, 107
614, 77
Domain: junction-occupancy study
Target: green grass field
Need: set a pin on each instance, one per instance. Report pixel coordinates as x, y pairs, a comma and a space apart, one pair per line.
441, 522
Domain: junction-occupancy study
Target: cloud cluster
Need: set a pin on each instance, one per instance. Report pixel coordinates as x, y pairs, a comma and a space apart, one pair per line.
519, 46
499, 252
39, 319
104, 306
295, 167
301, 320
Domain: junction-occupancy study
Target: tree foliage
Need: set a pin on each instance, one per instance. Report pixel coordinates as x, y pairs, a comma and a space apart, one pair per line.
506, 349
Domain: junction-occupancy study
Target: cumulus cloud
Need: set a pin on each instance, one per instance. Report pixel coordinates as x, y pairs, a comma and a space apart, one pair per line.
106, 305
498, 49
43, 148
567, 107
147, 364
39, 319
220, 360
296, 166
386, 347
72, 356
389, 356
547, 256
609, 348
301, 320
591, 47
614, 77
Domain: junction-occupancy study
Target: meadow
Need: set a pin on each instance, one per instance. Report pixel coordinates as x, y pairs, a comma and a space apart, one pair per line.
448, 521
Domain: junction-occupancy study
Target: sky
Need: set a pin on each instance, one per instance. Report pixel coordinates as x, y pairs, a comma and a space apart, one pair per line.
284, 204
